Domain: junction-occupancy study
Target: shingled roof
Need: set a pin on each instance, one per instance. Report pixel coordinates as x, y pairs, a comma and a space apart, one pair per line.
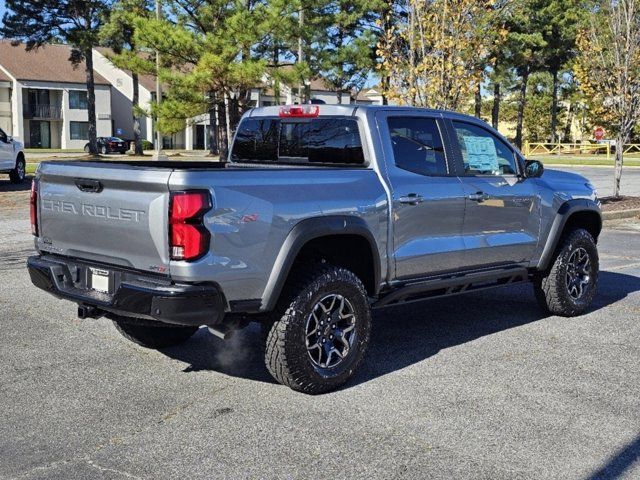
49, 63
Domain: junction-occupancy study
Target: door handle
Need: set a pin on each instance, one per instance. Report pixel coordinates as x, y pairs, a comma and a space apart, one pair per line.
89, 185
479, 196
411, 199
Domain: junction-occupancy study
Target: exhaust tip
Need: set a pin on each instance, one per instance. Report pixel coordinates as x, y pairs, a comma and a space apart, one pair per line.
221, 332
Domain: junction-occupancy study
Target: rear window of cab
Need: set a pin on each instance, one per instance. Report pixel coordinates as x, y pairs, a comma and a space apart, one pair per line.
300, 141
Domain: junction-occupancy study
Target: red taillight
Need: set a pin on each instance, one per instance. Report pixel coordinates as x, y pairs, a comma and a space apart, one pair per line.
188, 238
300, 111
33, 207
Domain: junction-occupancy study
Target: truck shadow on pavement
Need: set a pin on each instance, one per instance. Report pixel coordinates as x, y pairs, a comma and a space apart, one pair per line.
619, 463
7, 186
402, 335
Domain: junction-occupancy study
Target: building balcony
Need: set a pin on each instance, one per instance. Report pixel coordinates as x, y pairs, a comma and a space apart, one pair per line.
39, 111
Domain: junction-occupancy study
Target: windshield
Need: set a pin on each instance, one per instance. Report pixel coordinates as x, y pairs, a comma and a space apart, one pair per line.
331, 140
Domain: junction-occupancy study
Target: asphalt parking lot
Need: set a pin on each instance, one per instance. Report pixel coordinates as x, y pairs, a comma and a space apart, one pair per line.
478, 386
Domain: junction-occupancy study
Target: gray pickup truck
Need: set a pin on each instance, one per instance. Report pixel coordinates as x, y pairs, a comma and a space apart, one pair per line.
320, 214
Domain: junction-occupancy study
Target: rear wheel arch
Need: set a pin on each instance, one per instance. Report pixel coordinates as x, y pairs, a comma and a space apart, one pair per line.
342, 241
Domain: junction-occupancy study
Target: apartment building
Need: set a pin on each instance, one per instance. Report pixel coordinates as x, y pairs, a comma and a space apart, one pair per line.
43, 97
43, 100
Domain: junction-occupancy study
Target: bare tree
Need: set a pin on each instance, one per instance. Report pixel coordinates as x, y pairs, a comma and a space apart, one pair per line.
608, 69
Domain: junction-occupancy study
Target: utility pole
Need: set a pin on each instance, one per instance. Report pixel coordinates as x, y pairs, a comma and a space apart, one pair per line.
301, 87
159, 154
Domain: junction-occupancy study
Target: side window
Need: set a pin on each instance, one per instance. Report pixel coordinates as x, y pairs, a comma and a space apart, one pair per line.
256, 140
482, 152
417, 145
3, 136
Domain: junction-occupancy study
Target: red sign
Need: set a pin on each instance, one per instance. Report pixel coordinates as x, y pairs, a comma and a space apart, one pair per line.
598, 133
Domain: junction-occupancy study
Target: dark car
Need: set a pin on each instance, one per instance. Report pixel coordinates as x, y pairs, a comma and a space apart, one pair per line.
110, 145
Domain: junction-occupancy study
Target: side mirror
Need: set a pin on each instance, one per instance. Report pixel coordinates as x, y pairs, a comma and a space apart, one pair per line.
533, 169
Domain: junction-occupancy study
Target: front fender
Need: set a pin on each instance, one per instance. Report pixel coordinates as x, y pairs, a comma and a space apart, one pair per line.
566, 210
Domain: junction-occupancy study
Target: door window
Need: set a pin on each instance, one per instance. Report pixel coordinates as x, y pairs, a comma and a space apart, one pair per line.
417, 145
482, 152
3, 136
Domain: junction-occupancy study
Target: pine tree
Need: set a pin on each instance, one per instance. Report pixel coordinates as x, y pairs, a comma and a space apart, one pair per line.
118, 34
206, 50
348, 57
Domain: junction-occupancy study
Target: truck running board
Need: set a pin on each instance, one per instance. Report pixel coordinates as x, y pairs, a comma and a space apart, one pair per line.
454, 285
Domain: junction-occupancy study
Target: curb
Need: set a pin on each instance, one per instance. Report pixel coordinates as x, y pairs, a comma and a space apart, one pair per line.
616, 215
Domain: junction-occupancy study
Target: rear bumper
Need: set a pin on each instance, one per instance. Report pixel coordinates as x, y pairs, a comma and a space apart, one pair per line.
135, 294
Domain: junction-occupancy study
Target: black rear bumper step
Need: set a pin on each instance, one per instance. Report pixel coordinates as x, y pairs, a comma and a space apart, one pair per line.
135, 295
455, 285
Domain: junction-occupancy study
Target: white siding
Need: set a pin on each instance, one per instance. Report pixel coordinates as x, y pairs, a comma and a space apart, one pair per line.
5, 108
122, 98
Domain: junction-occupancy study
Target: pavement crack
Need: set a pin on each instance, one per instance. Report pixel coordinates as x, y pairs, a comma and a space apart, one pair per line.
123, 473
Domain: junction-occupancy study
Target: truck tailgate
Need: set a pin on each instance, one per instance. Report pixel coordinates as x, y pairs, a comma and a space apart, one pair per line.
110, 213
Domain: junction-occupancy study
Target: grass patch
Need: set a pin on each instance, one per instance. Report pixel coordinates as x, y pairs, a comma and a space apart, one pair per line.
53, 150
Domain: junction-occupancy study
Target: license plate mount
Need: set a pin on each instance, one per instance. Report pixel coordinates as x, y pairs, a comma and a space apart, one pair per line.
100, 280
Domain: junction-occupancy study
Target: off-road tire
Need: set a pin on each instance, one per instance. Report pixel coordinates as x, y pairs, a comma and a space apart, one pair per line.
18, 174
151, 334
550, 286
286, 355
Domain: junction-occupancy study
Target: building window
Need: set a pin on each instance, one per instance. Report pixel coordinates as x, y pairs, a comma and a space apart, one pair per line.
77, 99
79, 130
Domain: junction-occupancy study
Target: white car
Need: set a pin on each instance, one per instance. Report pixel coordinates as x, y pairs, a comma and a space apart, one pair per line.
12, 159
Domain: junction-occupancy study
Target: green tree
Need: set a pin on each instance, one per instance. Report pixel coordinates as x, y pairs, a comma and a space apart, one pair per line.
348, 57
524, 48
539, 101
206, 50
118, 34
559, 26
77, 23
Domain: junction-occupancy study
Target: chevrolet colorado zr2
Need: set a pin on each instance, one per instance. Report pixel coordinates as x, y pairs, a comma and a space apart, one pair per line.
320, 214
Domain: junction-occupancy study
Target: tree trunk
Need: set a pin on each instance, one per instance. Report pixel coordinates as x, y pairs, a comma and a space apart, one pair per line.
385, 86
478, 101
213, 126
554, 107
91, 102
495, 110
223, 141
136, 120
566, 131
617, 173
227, 119
522, 103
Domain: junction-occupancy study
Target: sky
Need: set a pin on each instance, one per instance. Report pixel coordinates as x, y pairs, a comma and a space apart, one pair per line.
2, 10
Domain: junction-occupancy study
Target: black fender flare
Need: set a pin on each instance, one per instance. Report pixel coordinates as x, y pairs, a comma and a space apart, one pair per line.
565, 211
298, 237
